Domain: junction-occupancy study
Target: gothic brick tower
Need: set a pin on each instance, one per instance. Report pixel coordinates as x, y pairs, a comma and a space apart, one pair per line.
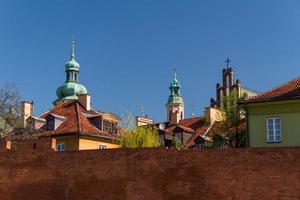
228, 85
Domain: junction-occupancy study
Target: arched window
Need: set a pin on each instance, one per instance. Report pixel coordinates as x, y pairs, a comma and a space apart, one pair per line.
76, 77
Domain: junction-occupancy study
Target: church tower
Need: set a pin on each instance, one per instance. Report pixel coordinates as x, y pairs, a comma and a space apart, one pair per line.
175, 104
228, 85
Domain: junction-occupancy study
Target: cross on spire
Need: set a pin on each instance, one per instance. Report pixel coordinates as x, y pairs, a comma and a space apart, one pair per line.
227, 61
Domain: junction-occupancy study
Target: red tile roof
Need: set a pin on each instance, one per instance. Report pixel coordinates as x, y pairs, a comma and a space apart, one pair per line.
289, 90
76, 121
197, 126
200, 133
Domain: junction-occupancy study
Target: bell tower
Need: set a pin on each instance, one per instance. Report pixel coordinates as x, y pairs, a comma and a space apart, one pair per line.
175, 104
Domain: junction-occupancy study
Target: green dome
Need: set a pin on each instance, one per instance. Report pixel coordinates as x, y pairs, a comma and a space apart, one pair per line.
70, 90
72, 65
175, 99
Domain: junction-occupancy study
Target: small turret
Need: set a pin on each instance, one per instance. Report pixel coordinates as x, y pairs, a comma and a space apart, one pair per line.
175, 104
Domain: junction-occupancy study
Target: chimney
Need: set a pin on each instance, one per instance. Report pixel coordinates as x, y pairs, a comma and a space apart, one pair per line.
26, 112
85, 101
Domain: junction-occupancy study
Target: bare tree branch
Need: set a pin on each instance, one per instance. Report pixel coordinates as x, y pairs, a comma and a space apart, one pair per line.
9, 107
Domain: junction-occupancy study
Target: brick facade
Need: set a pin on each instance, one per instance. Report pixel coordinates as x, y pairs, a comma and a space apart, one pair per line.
262, 173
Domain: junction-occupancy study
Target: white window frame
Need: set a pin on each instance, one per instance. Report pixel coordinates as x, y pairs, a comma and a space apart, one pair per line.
274, 140
102, 146
60, 146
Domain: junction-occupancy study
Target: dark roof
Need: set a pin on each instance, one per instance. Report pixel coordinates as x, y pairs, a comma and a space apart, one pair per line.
289, 90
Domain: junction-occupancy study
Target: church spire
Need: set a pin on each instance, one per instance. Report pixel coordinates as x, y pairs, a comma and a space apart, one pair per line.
71, 89
72, 67
175, 85
175, 104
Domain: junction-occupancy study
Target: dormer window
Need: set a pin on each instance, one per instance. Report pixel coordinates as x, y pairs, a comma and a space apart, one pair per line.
107, 126
51, 124
53, 121
110, 127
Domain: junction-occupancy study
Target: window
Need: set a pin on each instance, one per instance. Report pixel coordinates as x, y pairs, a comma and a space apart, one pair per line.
114, 128
101, 146
107, 126
50, 124
200, 146
274, 129
60, 146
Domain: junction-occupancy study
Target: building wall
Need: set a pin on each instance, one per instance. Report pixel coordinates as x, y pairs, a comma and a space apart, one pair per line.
71, 142
175, 112
288, 111
86, 143
236, 174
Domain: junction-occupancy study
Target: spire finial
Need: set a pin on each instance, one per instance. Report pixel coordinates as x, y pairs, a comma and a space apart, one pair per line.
193, 110
73, 47
174, 73
142, 110
227, 61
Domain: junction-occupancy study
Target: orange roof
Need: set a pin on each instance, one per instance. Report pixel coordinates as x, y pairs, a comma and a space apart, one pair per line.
200, 132
289, 90
197, 126
76, 121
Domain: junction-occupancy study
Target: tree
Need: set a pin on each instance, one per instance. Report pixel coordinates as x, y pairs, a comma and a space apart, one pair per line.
230, 133
140, 137
177, 143
9, 108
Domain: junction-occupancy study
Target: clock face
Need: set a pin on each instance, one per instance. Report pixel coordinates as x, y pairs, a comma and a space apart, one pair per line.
161, 126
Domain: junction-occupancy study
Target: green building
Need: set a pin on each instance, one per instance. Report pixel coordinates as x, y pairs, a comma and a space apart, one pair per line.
274, 116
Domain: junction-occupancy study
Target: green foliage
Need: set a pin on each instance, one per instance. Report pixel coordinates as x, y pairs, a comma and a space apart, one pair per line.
177, 143
140, 137
218, 141
229, 127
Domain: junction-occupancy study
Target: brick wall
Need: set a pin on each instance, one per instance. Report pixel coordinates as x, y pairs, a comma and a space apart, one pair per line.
40, 174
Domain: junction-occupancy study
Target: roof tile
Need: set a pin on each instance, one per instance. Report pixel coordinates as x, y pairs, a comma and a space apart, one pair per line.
289, 90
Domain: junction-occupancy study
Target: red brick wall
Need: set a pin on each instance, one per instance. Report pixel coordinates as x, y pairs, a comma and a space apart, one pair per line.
150, 174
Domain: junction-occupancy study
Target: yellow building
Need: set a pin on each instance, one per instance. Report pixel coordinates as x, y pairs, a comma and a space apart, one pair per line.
72, 122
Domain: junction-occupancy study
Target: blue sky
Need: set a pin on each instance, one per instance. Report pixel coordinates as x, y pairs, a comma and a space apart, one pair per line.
127, 49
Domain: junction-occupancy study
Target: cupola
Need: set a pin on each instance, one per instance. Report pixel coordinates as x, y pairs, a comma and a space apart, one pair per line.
71, 89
